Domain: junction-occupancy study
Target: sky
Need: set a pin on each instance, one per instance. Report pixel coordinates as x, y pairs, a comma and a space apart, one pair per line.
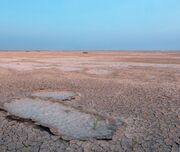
90, 24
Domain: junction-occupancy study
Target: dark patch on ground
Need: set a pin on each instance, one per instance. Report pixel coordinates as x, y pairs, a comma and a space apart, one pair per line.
43, 128
18, 119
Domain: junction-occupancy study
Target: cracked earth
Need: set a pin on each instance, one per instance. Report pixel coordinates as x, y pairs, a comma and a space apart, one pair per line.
139, 90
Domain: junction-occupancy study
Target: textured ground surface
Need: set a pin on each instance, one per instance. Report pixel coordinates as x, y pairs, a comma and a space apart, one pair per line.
60, 95
141, 89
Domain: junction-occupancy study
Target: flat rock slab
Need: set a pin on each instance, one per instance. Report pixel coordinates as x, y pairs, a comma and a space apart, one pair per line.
62, 120
61, 95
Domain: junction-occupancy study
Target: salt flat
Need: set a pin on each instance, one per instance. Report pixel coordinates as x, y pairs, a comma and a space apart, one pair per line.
139, 91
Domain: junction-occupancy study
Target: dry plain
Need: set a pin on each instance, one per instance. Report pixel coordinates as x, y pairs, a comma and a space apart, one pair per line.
137, 91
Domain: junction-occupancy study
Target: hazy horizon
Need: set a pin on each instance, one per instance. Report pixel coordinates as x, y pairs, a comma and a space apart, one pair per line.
85, 50
90, 25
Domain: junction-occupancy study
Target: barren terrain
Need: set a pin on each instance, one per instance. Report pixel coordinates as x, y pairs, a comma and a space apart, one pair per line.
137, 92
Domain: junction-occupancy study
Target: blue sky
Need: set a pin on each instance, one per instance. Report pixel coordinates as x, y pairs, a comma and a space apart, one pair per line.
90, 24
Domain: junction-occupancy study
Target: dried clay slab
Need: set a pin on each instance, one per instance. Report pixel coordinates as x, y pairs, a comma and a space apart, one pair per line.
62, 120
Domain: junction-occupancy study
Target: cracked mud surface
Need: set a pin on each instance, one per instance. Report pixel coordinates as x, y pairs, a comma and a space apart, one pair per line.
146, 98
61, 95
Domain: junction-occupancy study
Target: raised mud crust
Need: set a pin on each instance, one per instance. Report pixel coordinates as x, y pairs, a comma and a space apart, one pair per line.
62, 120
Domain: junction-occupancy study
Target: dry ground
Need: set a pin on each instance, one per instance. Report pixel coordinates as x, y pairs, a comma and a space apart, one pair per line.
142, 89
